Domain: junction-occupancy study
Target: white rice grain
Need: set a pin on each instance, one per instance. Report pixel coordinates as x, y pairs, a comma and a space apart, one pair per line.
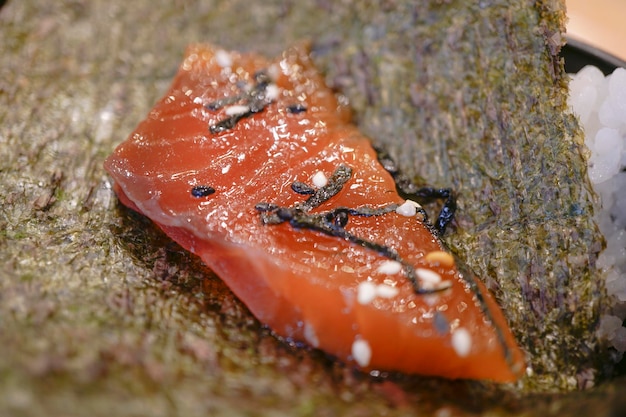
600, 103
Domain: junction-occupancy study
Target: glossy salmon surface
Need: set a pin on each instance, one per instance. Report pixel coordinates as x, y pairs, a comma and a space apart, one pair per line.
252, 165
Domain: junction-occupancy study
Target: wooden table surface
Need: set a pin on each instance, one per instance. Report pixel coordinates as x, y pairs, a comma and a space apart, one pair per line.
599, 24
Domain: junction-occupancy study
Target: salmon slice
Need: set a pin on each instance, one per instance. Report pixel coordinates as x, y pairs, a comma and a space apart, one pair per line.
252, 165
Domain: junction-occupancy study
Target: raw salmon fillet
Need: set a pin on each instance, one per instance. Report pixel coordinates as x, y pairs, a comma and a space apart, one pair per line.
252, 165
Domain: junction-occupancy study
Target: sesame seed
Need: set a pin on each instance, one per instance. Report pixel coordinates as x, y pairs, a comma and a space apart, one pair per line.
223, 58
461, 342
236, 109
366, 292
296, 108
440, 257
273, 71
444, 285
408, 208
441, 323
202, 191
386, 291
310, 335
319, 179
428, 275
271, 92
361, 352
389, 267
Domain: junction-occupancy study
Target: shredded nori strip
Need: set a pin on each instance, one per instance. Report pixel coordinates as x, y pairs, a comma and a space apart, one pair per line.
255, 99
333, 222
423, 195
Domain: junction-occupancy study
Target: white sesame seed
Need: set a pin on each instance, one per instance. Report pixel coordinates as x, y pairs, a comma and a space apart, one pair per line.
273, 71
444, 285
408, 208
366, 292
236, 109
428, 276
223, 58
310, 335
319, 179
361, 352
440, 257
271, 92
386, 291
461, 342
389, 267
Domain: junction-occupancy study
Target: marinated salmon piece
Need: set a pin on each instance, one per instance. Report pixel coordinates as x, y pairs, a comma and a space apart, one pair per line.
252, 165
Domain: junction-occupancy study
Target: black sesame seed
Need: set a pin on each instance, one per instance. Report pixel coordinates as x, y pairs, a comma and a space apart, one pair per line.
296, 108
441, 323
202, 191
341, 219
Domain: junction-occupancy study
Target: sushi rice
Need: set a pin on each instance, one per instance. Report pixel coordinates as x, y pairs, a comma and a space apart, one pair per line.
600, 104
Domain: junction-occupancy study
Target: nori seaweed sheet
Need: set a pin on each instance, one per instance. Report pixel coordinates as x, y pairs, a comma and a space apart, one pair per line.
482, 109
101, 314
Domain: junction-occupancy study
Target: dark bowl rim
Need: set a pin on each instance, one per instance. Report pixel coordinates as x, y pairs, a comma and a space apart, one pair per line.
577, 54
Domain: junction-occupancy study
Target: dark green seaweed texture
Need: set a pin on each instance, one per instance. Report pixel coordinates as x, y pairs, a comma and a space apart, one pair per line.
101, 314
476, 100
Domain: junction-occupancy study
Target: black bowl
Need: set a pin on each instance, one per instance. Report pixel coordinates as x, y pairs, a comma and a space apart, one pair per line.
578, 54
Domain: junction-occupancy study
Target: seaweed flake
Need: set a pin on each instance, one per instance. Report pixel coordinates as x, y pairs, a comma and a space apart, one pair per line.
255, 100
423, 195
333, 222
302, 188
